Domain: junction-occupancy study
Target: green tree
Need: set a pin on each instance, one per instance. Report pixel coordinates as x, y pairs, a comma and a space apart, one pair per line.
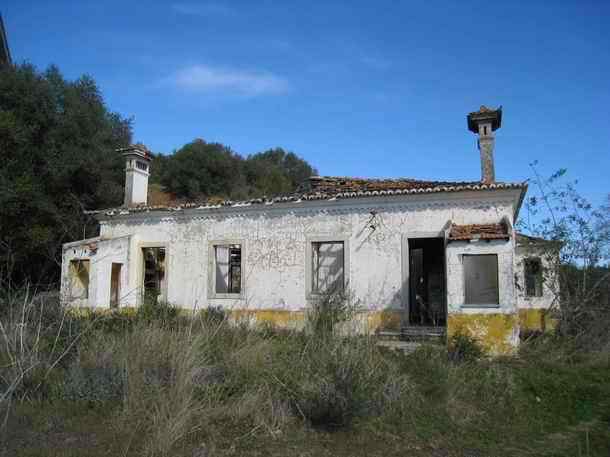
58, 142
276, 171
201, 170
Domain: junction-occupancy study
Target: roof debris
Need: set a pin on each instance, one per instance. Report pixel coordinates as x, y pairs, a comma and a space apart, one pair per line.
499, 231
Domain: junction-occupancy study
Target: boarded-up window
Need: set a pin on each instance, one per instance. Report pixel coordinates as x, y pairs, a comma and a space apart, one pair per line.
481, 279
154, 274
328, 267
79, 279
228, 268
533, 278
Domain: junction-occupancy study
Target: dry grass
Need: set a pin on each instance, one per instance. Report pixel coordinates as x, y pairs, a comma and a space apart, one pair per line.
160, 388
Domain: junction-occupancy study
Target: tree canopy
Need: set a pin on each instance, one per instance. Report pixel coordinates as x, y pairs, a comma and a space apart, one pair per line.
58, 141
201, 170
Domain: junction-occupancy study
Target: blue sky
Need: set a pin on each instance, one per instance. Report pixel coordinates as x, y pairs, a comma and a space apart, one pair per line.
371, 88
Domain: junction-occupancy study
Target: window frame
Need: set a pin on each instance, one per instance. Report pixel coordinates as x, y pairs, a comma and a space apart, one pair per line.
142, 273
212, 294
464, 281
540, 277
309, 293
74, 275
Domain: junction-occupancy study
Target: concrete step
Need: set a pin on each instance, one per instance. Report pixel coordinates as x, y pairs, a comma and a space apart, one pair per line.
413, 333
406, 347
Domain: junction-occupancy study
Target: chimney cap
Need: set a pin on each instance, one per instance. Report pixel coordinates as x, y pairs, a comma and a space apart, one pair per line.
485, 114
137, 149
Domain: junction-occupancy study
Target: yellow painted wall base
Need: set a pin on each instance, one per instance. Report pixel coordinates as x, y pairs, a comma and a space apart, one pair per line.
497, 333
536, 319
363, 321
384, 320
279, 318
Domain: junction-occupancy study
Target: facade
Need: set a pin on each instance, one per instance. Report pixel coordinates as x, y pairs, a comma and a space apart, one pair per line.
437, 255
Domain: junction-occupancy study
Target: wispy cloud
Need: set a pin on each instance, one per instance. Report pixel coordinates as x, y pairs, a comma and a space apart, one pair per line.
205, 78
203, 9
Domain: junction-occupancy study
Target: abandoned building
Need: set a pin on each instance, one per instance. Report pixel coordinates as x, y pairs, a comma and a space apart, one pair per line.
413, 254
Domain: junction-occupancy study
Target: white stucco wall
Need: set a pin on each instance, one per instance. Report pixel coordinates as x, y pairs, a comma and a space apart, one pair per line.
101, 255
455, 276
550, 288
275, 239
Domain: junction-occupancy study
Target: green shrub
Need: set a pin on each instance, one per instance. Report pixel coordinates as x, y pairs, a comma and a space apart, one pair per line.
328, 311
160, 313
332, 380
93, 385
464, 348
213, 315
116, 322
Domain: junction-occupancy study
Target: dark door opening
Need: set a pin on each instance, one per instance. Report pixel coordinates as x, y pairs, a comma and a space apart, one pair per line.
427, 282
154, 274
115, 285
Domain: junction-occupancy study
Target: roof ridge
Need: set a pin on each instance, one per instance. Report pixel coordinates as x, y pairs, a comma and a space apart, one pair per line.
320, 194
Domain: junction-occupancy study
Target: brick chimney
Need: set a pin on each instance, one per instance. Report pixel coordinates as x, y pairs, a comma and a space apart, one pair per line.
484, 123
137, 170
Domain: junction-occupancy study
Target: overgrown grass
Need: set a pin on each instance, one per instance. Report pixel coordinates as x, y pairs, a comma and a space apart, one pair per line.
158, 383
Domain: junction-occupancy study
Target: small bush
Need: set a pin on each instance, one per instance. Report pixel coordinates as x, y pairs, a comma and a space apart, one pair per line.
464, 348
93, 385
213, 315
328, 311
332, 380
161, 313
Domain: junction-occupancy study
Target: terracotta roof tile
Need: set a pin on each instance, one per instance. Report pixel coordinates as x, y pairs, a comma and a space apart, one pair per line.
479, 231
328, 188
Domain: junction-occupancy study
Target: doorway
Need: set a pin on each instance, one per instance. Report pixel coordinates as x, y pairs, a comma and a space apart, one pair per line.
115, 285
427, 304
154, 275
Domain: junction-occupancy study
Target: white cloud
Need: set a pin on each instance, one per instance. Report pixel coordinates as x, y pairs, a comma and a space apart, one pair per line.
205, 78
203, 9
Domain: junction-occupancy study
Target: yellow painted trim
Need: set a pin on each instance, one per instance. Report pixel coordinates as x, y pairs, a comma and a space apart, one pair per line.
536, 319
497, 333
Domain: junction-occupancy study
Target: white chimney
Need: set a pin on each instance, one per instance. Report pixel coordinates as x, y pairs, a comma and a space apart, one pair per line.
137, 171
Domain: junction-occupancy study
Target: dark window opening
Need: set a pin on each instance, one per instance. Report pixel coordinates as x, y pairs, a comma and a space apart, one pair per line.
481, 279
427, 282
141, 165
228, 268
115, 285
154, 274
328, 267
533, 278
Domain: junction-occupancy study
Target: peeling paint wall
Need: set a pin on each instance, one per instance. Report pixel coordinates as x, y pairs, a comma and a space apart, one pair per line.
101, 255
536, 313
276, 240
455, 276
497, 333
